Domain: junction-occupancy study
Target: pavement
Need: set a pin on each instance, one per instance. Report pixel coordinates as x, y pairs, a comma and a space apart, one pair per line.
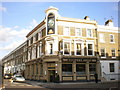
29, 84
112, 85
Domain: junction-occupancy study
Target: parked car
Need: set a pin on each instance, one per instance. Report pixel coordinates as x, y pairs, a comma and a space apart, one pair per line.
7, 76
18, 78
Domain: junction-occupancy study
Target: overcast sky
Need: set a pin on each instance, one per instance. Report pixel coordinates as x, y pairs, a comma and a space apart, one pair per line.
19, 18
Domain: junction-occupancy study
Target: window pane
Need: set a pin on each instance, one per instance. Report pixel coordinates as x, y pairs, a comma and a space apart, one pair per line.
113, 52
111, 67
89, 33
36, 36
92, 68
101, 37
78, 49
111, 38
66, 31
102, 52
66, 48
90, 49
78, 32
67, 69
51, 48
80, 69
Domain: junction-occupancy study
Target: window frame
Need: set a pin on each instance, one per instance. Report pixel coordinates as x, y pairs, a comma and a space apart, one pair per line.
82, 48
102, 40
64, 49
67, 72
77, 72
112, 38
48, 47
64, 33
92, 48
112, 53
76, 34
101, 54
87, 33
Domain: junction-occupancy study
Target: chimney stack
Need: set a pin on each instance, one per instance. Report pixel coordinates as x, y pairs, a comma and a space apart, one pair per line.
87, 18
109, 23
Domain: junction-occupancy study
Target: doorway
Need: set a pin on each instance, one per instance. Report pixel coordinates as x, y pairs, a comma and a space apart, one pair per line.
51, 75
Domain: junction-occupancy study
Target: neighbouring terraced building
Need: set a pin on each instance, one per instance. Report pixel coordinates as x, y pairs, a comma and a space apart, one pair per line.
74, 49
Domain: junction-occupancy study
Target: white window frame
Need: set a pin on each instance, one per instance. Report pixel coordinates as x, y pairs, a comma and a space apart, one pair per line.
113, 38
102, 40
90, 42
82, 48
105, 52
111, 52
48, 48
87, 33
76, 34
66, 41
65, 32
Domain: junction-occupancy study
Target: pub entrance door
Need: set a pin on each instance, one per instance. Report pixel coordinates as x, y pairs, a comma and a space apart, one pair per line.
51, 75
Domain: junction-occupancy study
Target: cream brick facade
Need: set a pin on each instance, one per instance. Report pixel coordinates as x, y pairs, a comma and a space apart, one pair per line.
68, 47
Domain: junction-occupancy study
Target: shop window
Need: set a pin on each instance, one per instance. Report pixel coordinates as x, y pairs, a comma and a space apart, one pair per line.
111, 65
66, 48
92, 68
90, 49
67, 69
102, 50
78, 49
80, 69
113, 52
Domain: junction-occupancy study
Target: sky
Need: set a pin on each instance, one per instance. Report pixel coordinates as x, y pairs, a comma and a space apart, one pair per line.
19, 18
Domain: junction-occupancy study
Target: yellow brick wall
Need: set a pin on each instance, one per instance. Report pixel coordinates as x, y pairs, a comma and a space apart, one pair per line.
107, 45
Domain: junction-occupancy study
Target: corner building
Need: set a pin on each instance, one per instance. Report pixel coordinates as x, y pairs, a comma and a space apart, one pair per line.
64, 46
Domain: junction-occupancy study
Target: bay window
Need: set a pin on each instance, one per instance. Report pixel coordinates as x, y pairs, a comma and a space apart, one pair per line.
78, 49
90, 49
66, 48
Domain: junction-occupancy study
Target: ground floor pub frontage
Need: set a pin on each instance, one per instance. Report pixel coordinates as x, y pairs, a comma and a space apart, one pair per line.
66, 68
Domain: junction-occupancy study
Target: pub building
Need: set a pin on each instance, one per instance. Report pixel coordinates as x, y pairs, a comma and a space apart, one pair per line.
62, 46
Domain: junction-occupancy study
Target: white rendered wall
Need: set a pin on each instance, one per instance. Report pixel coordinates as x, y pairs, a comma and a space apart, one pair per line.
106, 69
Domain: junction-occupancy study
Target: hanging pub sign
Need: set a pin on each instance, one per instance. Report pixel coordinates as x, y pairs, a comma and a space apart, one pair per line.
51, 24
